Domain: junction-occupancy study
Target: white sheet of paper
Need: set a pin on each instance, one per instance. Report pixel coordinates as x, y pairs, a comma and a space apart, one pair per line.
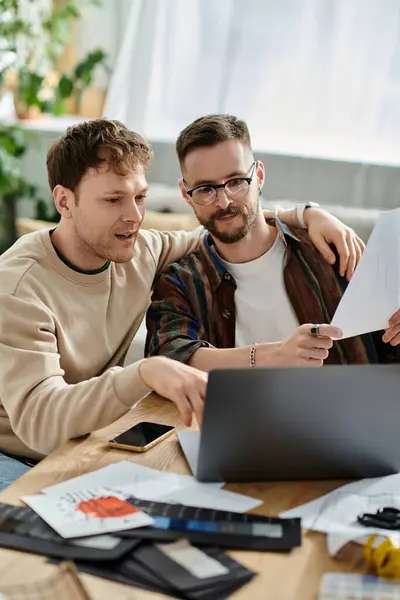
150, 484
81, 513
204, 495
143, 482
336, 541
336, 513
373, 293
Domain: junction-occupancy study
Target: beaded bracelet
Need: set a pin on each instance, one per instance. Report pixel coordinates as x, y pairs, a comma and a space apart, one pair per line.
253, 356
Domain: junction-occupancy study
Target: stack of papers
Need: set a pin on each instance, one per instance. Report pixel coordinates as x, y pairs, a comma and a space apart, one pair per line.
336, 513
95, 503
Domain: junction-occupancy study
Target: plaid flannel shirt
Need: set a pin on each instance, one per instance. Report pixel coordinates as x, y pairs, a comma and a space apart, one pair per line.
193, 303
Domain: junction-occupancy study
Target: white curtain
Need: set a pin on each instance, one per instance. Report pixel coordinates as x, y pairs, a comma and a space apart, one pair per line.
309, 75
129, 90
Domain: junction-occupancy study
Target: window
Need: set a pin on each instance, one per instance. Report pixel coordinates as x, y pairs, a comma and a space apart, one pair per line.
305, 72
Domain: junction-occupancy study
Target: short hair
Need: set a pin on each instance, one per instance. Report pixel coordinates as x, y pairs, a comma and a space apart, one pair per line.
210, 131
71, 155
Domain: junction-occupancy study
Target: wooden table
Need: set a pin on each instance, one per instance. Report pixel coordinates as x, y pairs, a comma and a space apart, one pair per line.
294, 576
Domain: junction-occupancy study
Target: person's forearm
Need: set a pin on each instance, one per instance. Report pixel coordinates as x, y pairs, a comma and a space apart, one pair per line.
53, 412
206, 359
46, 408
286, 215
289, 216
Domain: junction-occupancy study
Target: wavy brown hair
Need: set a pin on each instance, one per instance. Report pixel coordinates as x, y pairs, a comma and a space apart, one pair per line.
71, 155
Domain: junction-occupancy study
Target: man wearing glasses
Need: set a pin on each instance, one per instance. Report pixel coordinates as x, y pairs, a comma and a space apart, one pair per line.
255, 293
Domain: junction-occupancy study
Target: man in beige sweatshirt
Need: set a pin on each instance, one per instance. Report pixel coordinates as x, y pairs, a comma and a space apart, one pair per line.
72, 299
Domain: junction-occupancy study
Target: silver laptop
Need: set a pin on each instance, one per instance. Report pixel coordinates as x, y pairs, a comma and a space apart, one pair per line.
301, 423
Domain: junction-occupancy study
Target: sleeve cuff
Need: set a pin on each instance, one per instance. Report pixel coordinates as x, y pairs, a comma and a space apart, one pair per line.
182, 349
129, 385
300, 208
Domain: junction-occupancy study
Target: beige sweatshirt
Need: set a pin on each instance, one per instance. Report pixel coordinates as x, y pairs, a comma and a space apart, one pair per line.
64, 335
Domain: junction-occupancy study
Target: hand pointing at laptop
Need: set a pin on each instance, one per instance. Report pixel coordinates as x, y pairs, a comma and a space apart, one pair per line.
185, 386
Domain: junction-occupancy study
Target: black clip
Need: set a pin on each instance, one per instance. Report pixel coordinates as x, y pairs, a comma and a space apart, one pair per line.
384, 518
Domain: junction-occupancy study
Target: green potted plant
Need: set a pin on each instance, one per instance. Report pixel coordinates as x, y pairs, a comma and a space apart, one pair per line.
31, 42
33, 34
73, 83
13, 187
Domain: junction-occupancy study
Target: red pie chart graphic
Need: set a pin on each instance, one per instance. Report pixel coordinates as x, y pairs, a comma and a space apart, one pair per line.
106, 507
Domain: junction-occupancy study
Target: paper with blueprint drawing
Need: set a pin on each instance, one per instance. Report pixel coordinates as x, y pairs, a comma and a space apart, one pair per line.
373, 294
336, 513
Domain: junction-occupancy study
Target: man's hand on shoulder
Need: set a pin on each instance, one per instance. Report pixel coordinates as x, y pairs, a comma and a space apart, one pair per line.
324, 229
184, 385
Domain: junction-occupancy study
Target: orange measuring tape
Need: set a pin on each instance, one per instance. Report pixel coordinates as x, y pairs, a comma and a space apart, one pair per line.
383, 554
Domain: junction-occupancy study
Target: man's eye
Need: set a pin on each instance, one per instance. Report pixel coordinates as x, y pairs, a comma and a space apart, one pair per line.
112, 200
234, 183
140, 198
206, 190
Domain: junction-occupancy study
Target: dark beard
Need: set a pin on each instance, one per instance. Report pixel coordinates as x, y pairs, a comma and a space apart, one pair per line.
249, 216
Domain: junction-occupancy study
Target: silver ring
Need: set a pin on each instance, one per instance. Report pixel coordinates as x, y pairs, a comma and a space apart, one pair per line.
315, 331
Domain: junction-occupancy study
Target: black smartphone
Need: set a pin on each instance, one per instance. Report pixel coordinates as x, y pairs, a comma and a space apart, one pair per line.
142, 436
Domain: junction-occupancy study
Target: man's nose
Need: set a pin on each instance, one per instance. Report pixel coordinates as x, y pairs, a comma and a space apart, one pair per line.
222, 200
132, 213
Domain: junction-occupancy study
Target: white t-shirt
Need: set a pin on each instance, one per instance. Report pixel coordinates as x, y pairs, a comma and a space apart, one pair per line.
263, 310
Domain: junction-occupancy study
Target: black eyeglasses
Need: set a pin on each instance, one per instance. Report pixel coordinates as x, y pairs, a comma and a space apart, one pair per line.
234, 188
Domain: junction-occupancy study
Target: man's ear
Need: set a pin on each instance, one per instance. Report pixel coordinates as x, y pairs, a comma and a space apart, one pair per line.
63, 198
184, 194
260, 173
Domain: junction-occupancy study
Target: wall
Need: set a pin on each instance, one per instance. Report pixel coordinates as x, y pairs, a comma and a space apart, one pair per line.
327, 181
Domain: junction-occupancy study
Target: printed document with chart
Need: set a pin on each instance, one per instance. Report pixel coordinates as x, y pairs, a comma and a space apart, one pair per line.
373, 294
